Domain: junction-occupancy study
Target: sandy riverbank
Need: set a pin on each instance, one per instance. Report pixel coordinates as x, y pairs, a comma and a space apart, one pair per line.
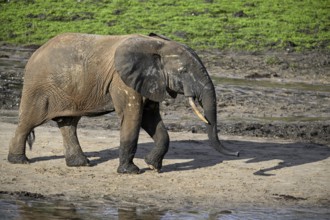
270, 172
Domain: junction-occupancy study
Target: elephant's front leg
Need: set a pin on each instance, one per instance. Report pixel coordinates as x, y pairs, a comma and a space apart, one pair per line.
129, 107
129, 133
153, 124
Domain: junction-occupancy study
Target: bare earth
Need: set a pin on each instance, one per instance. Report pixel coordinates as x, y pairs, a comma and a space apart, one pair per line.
270, 172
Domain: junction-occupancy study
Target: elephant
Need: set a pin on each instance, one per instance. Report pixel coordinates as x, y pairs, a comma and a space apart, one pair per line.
74, 75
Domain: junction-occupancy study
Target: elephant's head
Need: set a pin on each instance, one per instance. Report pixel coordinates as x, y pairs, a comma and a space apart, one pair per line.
155, 66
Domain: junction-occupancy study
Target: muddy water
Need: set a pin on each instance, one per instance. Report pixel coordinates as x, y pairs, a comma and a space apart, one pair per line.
24, 207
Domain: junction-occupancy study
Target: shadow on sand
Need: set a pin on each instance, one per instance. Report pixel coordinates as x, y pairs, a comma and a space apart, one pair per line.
199, 155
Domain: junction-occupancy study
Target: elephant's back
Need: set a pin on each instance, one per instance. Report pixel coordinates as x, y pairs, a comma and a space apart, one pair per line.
68, 50
63, 55
70, 72
63, 46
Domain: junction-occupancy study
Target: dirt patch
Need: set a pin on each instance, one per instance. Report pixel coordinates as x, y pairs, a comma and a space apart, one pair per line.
310, 67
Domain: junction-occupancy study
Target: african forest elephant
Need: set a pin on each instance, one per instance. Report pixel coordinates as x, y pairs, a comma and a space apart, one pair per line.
75, 75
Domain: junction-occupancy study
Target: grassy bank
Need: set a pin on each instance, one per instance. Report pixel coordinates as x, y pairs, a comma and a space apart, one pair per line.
223, 24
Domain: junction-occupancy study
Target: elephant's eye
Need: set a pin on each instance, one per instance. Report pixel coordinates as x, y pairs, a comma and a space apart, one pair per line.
181, 69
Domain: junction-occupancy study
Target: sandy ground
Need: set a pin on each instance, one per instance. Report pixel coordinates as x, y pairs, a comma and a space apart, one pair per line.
270, 172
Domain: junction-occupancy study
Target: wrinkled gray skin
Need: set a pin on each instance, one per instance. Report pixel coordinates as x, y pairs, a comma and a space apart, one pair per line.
75, 75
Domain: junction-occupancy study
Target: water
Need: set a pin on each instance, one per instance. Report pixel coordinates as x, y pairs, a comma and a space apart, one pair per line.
272, 84
12, 207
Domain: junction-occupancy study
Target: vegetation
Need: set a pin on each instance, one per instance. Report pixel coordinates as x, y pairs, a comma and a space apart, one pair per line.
224, 24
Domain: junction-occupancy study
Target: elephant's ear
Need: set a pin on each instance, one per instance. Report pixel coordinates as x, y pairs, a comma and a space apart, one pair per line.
138, 63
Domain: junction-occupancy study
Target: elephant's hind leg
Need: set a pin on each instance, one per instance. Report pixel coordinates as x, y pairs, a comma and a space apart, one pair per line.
74, 155
17, 145
33, 112
28, 120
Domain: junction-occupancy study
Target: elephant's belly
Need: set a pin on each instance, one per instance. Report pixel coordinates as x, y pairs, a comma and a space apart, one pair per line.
101, 110
81, 107
97, 107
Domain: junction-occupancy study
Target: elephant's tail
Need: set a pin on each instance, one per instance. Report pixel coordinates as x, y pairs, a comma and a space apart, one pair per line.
31, 138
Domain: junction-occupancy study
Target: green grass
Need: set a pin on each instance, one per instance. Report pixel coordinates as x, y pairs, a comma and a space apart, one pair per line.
202, 24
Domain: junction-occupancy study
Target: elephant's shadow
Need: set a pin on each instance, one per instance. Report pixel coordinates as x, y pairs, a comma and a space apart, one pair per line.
198, 154
193, 154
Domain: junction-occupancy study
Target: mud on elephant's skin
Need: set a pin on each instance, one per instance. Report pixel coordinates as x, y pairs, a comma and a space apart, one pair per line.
75, 75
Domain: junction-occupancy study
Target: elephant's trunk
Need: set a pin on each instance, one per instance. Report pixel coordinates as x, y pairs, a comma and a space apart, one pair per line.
208, 101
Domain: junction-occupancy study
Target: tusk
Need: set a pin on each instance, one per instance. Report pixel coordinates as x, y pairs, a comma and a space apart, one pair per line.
194, 107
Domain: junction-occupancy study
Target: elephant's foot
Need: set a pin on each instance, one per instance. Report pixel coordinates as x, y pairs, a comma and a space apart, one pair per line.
130, 168
155, 165
77, 160
18, 159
